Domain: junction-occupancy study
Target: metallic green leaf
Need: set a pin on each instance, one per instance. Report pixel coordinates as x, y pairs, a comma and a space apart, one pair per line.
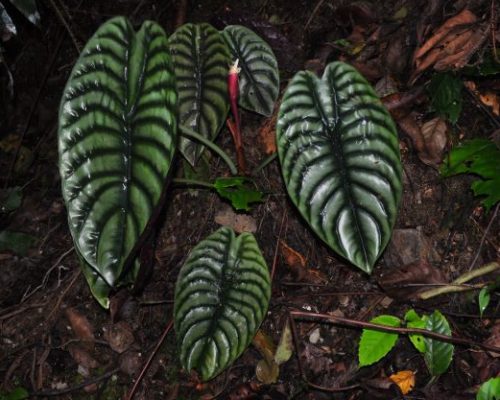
201, 64
221, 297
259, 77
117, 137
339, 156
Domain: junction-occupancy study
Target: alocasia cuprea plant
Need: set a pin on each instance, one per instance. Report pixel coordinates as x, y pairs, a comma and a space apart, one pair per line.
118, 132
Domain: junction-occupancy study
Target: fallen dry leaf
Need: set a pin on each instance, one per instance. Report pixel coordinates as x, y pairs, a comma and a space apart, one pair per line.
239, 222
82, 357
405, 380
119, 336
435, 135
81, 326
494, 339
298, 266
267, 136
452, 44
265, 345
492, 100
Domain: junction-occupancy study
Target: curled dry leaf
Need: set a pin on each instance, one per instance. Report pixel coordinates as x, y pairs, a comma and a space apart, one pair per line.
405, 380
298, 265
435, 135
452, 44
267, 135
239, 222
81, 326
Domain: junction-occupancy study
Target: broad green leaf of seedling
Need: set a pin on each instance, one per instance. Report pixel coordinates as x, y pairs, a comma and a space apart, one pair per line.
445, 91
483, 299
489, 390
413, 320
375, 345
238, 191
18, 393
437, 354
480, 157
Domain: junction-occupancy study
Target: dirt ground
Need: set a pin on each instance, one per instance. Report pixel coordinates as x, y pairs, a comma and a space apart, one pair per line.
441, 233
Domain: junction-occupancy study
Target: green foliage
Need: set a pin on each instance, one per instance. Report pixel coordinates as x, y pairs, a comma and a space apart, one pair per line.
238, 191
117, 138
489, 390
339, 155
480, 157
489, 66
413, 320
445, 91
374, 344
18, 393
16, 242
201, 62
259, 80
221, 297
438, 355
483, 300
10, 199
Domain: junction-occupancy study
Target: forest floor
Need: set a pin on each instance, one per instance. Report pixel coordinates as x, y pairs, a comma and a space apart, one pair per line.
442, 231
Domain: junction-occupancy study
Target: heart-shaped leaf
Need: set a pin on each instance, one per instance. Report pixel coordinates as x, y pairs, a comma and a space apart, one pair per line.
221, 297
437, 354
201, 64
376, 344
339, 156
259, 77
117, 137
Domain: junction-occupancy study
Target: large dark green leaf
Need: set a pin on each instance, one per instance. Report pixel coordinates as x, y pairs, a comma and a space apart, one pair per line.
117, 136
201, 63
259, 78
339, 156
221, 298
438, 355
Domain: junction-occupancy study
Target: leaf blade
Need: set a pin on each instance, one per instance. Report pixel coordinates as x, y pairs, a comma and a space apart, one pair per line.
375, 345
438, 355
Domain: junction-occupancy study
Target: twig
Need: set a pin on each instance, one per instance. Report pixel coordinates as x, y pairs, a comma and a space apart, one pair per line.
301, 370
455, 286
483, 238
192, 182
275, 258
63, 21
61, 297
53, 393
493, 22
130, 395
384, 328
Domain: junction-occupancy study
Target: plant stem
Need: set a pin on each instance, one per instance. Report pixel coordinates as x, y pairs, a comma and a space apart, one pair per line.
192, 182
455, 285
189, 133
264, 163
384, 328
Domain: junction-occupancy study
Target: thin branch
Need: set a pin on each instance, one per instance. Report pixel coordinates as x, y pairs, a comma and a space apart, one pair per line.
483, 238
130, 395
384, 328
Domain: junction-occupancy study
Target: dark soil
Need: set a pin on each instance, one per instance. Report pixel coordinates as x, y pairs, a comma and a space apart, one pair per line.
40, 351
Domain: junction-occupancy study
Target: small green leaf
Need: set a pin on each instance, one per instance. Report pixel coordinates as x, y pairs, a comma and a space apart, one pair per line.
489, 390
285, 346
445, 90
16, 242
18, 393
376, 344
438, 354
480, 157
413, 320
484, 299
238, 191
489, 66
10, 199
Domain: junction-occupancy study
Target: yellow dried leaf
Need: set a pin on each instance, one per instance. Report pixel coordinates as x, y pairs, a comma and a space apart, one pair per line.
405, 380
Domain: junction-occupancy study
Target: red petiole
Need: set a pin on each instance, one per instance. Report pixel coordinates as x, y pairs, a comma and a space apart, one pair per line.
234, 128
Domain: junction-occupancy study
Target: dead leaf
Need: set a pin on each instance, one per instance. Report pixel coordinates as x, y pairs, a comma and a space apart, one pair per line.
452, 44
285, 346
82, 357
435, 135
267, 373
398, 283
239, 222
265, 345
119, 336
492, 100
298, 266
494, 339
405, 380
81, 326
267, 136
410, 127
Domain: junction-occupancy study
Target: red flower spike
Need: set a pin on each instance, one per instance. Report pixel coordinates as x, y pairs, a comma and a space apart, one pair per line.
234, 90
